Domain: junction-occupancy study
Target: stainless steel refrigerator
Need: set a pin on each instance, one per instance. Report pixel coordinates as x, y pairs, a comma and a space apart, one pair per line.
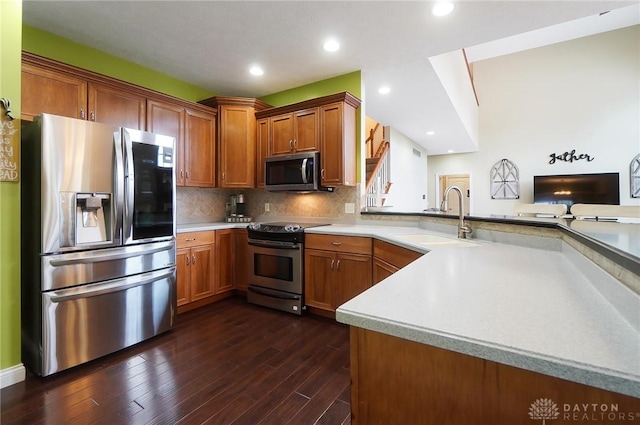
98, 240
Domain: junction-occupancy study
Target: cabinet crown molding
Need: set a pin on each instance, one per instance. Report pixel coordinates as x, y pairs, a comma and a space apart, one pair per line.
345, 97
216, 101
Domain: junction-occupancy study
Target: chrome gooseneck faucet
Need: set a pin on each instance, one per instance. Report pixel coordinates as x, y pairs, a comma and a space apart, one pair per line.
463, 228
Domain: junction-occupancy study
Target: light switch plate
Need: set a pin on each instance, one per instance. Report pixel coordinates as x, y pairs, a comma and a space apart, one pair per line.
349, 208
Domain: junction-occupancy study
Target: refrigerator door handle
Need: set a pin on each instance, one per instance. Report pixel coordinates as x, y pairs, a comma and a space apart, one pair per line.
119, 177
96, 258
129, 179
110, 287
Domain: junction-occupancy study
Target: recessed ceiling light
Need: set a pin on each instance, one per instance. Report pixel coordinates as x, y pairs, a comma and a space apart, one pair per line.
430, 133
256, 70
442, 8
450, 151
331, 45
384, 90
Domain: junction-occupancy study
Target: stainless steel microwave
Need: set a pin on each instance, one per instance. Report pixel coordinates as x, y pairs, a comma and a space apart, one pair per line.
298, 172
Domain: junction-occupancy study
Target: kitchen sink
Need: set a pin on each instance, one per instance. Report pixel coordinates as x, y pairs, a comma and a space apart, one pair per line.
435, 240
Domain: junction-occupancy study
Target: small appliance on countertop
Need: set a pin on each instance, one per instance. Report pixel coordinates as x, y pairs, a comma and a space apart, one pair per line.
276, 272
236, 210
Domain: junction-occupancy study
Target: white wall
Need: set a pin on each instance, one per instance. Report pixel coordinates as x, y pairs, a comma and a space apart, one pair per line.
582, 94
408, 174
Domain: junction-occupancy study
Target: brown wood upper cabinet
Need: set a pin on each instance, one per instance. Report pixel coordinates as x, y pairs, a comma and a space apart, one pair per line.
262, 148
295, 132
55, 88
194, 131
236, 140
326, 124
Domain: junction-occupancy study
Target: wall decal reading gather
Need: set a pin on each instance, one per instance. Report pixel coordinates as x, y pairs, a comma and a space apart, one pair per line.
569, 157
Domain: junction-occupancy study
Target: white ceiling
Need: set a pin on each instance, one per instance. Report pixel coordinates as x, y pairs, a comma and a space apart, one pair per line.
211, 44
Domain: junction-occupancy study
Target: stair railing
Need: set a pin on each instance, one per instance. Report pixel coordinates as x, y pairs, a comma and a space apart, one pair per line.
379, 180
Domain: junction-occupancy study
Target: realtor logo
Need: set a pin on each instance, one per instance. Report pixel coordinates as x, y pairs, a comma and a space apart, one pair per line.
543, 408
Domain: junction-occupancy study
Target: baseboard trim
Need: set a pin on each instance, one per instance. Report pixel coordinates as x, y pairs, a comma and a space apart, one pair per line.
12, 375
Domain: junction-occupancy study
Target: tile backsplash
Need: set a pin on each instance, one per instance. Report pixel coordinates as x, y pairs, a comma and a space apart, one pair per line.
208, 205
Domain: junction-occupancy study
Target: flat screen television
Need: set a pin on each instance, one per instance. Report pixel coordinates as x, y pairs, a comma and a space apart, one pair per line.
569, 189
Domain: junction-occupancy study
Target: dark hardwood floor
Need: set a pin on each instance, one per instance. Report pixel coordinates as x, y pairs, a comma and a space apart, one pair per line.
226, 363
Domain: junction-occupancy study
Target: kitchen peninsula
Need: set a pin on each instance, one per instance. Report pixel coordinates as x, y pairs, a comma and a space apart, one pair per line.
493, 327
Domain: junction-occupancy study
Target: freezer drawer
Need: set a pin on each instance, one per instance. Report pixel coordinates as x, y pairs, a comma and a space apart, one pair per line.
83, 323
78, 268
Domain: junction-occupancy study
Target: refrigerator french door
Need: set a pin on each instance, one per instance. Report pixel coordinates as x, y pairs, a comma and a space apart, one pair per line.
98, 240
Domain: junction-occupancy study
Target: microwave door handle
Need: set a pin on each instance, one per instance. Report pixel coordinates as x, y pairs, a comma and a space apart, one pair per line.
303, 170
129, 181
119, 189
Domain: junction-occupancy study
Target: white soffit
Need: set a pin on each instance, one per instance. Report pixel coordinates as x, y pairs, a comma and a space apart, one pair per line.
615, 19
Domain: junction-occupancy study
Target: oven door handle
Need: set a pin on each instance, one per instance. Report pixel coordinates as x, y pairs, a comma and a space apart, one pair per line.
274, 294
274, 244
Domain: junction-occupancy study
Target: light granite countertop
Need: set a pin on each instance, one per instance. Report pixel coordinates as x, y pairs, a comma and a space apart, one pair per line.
545, 309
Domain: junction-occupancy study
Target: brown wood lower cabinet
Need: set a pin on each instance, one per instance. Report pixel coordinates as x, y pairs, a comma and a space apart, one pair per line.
196, 268
389, 258
224, 260
337, 268
396, 381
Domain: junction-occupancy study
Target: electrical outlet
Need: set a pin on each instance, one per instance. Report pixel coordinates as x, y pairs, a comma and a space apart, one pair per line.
349, 208
266, 207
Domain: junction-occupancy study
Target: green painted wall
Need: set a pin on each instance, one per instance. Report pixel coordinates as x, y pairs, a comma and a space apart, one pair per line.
10, 46
61, 49
351, 83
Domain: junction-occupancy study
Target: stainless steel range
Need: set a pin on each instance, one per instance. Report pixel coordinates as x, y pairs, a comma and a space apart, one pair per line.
276, 275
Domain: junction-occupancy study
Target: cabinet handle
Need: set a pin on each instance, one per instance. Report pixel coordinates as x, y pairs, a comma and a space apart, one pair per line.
190, 239
295, 143
82, 113
336, 243
290, 145
181, 174
322, 173
223, 176
93, 116
332, 261
338, 265
193, 259
188, 260
186, 173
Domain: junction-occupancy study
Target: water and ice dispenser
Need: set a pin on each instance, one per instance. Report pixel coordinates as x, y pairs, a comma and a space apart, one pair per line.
91, 226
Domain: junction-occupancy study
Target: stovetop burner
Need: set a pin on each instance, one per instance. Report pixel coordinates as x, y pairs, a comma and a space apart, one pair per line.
283, 227
280, 231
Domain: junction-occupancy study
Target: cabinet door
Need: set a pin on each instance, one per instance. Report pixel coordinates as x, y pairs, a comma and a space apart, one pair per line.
168, 119
117, 107
353, 276
224, 261
240, 259
382, 270
318, 277
202, 271
45, 91
199, 142
331, 144
237, 146
262, 146
281, 135
183, 275
338, 144
307, 128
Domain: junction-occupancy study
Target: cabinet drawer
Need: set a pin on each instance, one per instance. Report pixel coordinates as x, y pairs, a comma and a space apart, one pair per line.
352, 244
393, 254
186, 240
